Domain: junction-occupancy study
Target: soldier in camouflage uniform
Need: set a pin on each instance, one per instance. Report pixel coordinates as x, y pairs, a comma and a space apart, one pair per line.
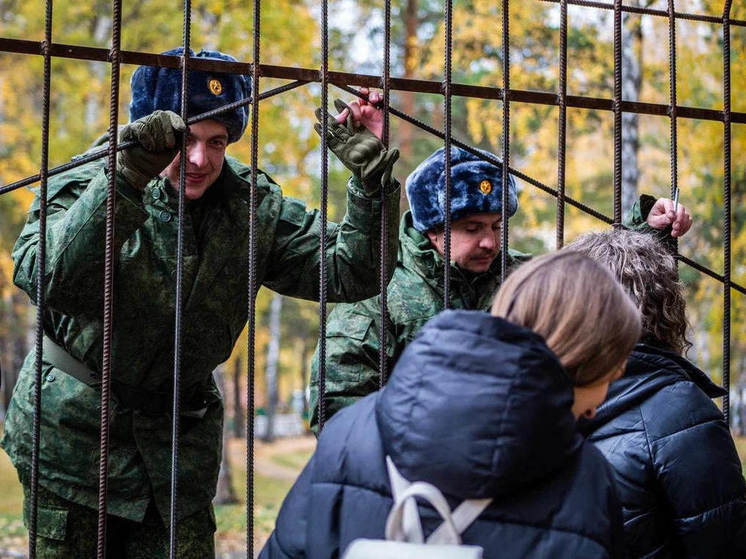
416, 291
215, 279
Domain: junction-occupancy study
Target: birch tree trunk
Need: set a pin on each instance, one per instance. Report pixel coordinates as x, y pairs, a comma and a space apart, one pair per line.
631, 83
270, 371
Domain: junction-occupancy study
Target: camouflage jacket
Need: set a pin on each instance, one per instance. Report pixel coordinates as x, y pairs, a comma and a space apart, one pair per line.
215, 281
415, 295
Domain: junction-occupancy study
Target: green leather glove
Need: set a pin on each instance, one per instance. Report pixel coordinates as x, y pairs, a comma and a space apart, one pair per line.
359, 150
156, 135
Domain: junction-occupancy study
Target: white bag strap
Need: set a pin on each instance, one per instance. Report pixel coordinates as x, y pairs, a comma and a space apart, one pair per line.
411, 528
403, 523
463, 515
394, 528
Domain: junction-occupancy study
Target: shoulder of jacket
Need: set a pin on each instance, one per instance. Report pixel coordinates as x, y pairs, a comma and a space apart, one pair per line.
243, 174
677, 407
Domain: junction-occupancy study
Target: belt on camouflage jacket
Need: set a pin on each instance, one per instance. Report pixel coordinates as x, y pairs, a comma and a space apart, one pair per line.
129, 397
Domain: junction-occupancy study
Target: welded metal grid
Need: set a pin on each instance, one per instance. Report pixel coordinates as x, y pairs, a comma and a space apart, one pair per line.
301, 76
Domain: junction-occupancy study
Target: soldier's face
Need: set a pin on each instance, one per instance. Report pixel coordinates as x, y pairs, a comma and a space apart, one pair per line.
475, 241
206, 145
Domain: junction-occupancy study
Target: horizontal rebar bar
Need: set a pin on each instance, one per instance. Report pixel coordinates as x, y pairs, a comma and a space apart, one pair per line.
368, 80
652, 12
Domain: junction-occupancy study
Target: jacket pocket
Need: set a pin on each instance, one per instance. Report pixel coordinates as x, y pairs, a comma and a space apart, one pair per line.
353, 326
51, 521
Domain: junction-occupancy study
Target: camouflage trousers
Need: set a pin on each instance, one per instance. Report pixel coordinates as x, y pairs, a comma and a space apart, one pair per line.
67, 530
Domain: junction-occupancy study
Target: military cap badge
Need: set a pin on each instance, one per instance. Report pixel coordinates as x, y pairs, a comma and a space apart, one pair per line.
485, 186
215, 86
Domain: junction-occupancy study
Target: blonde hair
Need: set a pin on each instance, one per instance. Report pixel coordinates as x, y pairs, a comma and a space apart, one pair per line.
584, 315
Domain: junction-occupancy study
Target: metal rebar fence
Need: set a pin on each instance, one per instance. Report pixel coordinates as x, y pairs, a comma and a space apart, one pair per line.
115, 56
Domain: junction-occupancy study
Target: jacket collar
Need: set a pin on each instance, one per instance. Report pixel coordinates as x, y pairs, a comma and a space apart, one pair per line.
649, 369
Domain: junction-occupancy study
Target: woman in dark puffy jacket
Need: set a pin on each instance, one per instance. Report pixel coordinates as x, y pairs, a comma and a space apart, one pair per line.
677, 471
483, 406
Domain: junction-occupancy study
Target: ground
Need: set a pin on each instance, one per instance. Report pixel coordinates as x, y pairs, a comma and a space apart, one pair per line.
276, 467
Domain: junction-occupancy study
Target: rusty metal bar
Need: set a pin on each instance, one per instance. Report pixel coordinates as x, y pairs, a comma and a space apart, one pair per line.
653, 12
562, 128
324, 77
41, 258
176, 409
672, 96
448, 13
251, 386
111, 193
617, 108
382, 365
506, 140
727, 214
369, 80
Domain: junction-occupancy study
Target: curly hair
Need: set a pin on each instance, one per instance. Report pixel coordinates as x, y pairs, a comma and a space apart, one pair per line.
648, 272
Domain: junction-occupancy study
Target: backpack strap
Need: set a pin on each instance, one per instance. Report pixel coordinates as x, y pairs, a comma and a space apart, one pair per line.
463, 516
403, 522
411, 528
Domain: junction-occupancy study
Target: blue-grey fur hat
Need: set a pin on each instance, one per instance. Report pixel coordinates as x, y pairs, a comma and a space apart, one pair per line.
155, 88
476, 187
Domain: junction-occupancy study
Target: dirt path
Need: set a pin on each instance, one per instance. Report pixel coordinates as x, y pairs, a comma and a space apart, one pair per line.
265, 452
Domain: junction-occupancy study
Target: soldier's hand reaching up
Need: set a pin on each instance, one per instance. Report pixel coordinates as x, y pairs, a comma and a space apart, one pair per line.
157, 135
665, 212
354, 136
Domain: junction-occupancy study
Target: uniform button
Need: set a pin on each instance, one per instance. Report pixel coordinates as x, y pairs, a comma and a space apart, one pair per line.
165, 216
156, 194
51, 377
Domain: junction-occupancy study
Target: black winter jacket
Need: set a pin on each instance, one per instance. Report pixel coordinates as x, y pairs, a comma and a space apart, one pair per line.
479, 408
677, 471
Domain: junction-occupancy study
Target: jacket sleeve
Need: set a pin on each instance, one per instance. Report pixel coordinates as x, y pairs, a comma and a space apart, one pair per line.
75, 239
700, 476
352, 357
288, 540
352, 248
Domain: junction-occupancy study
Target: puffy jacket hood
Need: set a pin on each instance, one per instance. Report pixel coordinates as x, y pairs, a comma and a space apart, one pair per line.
649, 368
477, 406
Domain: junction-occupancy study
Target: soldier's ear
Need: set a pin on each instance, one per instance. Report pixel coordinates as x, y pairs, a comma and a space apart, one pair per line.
435, 236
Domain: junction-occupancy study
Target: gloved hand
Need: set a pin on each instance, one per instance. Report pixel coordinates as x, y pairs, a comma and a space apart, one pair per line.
361, 151
156, 135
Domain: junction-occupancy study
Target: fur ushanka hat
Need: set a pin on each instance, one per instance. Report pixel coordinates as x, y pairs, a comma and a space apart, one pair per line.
155, 88
476, 187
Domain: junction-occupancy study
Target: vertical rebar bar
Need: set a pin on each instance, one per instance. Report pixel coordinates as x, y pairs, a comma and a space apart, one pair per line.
726, 208
103, 469
252, 282
562, 127
447, 153
41, 259
384, 214
672, 96
323, 209
506, 140
176, 409
617, 108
